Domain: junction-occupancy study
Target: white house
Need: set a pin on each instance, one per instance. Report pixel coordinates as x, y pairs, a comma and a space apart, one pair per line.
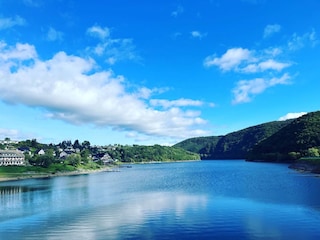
11, 157
41, 152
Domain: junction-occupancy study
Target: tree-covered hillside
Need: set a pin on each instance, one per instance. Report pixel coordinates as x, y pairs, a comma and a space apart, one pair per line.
234, 145
198, 144
301, 138
138, 153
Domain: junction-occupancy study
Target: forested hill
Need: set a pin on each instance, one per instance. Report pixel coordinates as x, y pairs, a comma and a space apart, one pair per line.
234, 145
301, 138
198, 144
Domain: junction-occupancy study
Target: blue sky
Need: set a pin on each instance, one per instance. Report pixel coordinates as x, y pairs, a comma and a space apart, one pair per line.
154, 72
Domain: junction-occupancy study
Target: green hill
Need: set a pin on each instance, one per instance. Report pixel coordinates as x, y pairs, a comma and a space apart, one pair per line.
198, 144
234, 145
300, 138
139, 153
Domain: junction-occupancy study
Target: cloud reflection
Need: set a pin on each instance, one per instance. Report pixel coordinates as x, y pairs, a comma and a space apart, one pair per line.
134, 216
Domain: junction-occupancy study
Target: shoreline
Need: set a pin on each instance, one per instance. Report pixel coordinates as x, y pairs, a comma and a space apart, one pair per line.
35, 175
306, 167
158, 162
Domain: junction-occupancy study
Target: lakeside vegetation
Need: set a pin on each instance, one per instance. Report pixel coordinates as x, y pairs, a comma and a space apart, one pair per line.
235, 145
66, 157
296, 140
299, 139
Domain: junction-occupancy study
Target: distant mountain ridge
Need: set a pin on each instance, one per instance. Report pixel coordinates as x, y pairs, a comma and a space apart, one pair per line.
235, 145
278, 141
300, 138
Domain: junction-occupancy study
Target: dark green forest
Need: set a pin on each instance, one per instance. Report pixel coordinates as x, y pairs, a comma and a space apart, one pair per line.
299, 139
235, 145
155, 153
279, 141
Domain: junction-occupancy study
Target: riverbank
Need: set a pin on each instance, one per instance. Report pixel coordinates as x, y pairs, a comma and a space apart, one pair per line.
306, 166
35, 175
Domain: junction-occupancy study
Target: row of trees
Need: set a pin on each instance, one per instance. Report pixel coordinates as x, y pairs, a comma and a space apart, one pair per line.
49, 157
137, 153
84, 153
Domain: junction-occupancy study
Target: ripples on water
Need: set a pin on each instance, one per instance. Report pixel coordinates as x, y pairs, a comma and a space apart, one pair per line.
195, 200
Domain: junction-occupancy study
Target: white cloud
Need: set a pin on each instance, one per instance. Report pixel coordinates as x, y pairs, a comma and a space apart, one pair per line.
113, 49
273, 52
197, 34
300, 41
20, 52
175, 103
10, 133
11, 22
247, 89
247, 61
230, 60
68, 89
54, 35
99, 32
284, 79
15, 134
269, 30
178, 11
269, 64
291, 116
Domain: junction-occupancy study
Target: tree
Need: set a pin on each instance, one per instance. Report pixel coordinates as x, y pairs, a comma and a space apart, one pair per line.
34, 143
86, 144
76, 144
73, 159
43, 160
313, 152
85, 156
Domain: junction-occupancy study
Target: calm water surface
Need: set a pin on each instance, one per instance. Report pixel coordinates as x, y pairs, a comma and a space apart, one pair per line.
191, 200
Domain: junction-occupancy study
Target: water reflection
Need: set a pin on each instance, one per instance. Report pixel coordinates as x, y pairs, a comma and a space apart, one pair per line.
129, 219
36, 196
169, 201
19, 189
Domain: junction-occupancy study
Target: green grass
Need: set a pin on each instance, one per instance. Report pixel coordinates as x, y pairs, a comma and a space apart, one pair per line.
20, 171
312, 160
28, 171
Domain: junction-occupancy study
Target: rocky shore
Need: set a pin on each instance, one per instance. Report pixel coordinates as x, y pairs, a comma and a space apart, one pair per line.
306, 166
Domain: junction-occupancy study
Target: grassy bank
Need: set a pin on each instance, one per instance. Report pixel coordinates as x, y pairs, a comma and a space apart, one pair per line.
22, 172
311, 160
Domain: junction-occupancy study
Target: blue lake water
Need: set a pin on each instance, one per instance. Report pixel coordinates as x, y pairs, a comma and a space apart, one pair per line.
190, 200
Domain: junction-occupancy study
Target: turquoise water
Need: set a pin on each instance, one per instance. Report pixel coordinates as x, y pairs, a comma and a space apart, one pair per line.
190, 200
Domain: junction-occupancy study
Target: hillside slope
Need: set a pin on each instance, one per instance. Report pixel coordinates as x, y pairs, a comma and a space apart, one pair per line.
301, 138
198, 144
234, 145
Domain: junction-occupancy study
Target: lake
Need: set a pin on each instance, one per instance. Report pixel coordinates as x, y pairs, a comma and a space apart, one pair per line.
230, 199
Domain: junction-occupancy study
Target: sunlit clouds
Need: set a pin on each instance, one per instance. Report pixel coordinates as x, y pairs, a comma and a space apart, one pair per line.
69, 89
271, 29
11, 22
268, 63
291, 116
111, 49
